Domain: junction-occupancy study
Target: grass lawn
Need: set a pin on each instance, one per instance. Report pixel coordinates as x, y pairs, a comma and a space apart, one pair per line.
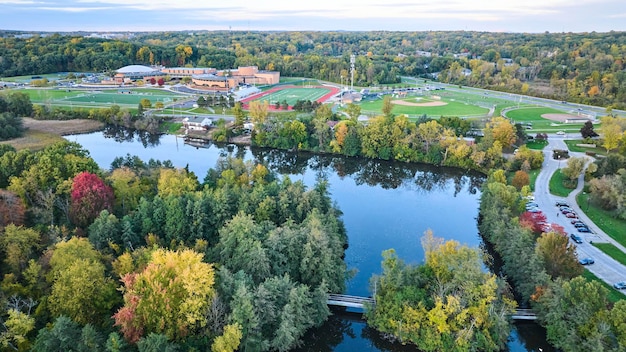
533, 115
613, 227
535, 145
532, 175
612, 251
171, 127
102, 98
571, 145
613, 295
556, 185
452, 108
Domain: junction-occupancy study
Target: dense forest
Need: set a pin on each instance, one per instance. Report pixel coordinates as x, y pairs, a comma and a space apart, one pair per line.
146, 257
578, 67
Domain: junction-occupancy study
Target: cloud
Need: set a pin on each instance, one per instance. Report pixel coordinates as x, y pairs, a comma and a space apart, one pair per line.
73, 9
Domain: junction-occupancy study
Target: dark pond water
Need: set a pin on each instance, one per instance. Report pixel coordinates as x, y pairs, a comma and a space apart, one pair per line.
384, 204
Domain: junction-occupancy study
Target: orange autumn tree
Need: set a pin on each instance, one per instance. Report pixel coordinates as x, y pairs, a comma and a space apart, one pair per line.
170, 296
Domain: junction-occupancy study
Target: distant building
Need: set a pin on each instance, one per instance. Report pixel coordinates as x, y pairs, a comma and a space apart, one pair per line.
212, 82
180, 72
423, 53
130, 73
227, 79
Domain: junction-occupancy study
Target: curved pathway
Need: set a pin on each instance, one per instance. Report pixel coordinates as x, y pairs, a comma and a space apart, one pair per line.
605, 267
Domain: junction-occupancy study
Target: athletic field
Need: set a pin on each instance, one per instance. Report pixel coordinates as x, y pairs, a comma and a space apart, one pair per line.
536, 119
292, 94
99, 98
433, 107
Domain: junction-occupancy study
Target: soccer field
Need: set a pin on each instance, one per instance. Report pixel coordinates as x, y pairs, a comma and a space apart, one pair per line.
292, 94
127, 97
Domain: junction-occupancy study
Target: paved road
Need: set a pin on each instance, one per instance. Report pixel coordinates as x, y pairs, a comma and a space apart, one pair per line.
605, 267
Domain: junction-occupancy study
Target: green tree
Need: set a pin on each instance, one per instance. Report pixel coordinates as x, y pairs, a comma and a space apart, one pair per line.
387, 106
156, 343
240, 117
243, 314
104, 230
575, 315
62, 336
354, 111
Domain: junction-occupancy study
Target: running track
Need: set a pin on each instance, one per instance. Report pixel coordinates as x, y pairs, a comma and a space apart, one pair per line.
245, 101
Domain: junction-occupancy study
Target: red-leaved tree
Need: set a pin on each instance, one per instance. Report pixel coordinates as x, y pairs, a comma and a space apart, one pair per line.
536, 222
161, 82
12, 209
90, 195
152, 80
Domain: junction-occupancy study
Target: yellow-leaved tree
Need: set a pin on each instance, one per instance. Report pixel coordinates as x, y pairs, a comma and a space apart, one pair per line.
170, 296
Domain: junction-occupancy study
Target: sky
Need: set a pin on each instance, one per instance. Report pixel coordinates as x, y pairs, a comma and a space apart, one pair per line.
532, 16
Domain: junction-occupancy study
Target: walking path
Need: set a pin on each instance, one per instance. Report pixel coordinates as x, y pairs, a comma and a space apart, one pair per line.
605, 267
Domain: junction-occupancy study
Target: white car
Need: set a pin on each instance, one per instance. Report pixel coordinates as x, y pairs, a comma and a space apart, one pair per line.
561, 133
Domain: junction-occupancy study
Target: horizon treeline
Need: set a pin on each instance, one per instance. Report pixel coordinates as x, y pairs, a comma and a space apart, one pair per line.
577, 67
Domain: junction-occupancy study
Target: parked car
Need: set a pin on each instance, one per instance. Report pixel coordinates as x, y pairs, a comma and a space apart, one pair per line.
577, 221
571, 215
561, 204
566, 211
561, 133
576, 238
580, 224
534, 210
586, 261
584, 229
620, 285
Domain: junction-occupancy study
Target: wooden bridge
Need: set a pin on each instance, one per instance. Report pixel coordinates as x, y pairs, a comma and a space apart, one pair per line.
359, 302
524, 314
349, 301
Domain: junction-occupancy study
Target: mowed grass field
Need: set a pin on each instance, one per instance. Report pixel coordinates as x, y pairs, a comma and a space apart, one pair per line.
74, 97
452, 108
539, 124
292, 95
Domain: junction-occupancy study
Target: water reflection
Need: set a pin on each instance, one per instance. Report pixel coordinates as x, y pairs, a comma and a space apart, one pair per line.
123, 134
387, 174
